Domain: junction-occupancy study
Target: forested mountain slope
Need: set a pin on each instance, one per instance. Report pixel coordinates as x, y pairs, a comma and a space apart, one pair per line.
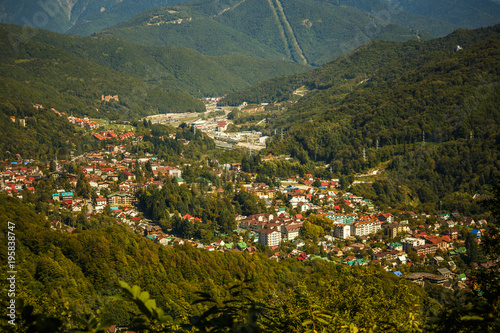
77, 16
171, 68
33, 72
306, 31
68, 275
343, 74
425, 107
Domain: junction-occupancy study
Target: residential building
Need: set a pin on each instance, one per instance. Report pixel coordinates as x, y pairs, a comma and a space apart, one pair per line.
410, 242
452, 233
269, 237
290, 231
342, 231
386, 217
365, 227
343, 218
425, 249
121, 199
393, 229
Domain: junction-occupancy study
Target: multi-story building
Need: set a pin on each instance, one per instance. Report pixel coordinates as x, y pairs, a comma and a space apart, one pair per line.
290, 231
343, 218
410, 242
425, 249
341, 230
452, 233
385, 217
393, 229
269, 237
365, 227
121, 199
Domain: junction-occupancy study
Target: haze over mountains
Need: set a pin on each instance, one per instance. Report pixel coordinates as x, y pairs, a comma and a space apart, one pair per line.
75, 16
306, 31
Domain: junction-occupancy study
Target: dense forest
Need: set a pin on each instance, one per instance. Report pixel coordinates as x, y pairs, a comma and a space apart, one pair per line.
62, 278
34, 72
44, 136
425, 112
307, 31
343, 74
168, 67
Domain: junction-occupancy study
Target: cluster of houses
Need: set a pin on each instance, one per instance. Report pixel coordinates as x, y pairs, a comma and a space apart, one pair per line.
102, 174
355, 222
269, 229
109, 98
108, 135
83, 122
18, 177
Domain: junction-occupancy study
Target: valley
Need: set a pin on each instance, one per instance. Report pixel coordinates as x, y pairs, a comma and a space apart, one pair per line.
250, 166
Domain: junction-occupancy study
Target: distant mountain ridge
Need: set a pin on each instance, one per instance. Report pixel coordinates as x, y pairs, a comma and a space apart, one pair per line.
80, 17
306, 31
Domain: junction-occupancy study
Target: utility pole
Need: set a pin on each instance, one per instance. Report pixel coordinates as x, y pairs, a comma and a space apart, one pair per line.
377, 144
282, 133
364, 154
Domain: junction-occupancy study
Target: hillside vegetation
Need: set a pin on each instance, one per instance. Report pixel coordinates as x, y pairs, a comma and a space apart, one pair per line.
306, 31
33, 72
169, 68
343, 74
63, 276
424, 106
80, 17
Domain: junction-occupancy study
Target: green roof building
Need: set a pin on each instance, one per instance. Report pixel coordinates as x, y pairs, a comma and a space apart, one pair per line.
242, 245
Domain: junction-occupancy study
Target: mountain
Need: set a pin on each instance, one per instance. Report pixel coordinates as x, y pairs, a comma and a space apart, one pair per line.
306, 31
171, 67
33, 72
464, 13
428, 109
81, 17
343, 74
